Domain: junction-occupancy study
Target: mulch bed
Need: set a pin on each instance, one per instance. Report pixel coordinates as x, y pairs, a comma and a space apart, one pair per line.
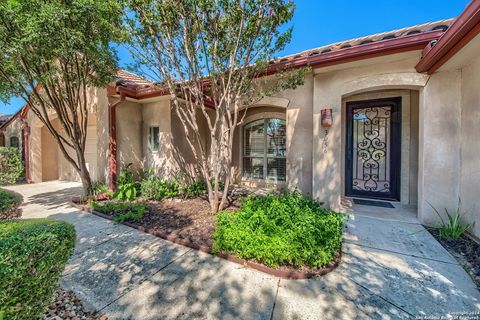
13, 213
189, 222
188, 219
465, 250
68, 306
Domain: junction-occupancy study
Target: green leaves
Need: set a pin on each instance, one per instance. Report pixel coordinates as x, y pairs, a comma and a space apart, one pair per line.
9, 200
123, 211
11, 167
277, 230
452, 226
63, 42
33, 254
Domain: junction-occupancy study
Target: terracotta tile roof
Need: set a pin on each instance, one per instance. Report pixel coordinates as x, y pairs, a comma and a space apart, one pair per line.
415, 37
4, 118
125, 79
399, 33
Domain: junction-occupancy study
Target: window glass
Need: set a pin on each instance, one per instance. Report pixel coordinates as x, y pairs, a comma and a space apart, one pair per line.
14, 143
264, 149
154, 139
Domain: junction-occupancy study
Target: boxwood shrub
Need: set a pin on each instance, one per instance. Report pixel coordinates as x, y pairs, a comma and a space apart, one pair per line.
9, 202
11, 167
280, 230
33, 254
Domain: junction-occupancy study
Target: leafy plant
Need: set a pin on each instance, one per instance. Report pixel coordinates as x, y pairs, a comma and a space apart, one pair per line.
154, 188
452, 227
127, 188
194, 189
11, 167
287, 229
33, 254
122, 211
9, 200
98, 188
65, 49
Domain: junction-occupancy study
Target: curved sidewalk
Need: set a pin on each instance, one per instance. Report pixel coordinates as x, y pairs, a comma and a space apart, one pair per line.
390, 270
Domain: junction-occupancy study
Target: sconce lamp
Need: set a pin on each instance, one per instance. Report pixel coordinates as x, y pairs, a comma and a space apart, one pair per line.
326, 115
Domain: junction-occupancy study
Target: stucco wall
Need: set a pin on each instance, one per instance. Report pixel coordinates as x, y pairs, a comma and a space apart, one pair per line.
182, 158
14, 129
157, 114
129, 136
330, 89
440, 142
294, 106
470, 144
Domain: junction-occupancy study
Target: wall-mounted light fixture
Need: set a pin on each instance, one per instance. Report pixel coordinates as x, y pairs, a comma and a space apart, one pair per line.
326, 115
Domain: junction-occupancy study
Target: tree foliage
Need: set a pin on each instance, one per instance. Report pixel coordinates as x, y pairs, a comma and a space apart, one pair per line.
53, 53
214, 57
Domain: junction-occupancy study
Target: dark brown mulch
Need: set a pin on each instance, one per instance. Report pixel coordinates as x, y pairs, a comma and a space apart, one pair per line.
191, 220
188, 219
12, 213
465, 250
68, 306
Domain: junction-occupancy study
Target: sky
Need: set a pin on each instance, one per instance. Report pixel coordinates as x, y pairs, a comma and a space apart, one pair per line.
317, 23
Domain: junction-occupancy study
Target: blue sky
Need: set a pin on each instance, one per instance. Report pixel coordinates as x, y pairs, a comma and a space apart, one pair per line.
317, 23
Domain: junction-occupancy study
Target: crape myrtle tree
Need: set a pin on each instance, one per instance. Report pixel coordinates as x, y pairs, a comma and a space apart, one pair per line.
53, 53
213, 56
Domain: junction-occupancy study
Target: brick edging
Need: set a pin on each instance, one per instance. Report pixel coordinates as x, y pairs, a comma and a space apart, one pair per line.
285, 274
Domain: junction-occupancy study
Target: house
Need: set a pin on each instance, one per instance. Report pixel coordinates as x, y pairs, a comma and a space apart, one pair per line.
404, 108
11, 131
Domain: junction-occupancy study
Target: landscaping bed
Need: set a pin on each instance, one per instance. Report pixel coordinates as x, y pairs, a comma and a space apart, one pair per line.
188, 219
465, 250
68, 306
9, 204
285, 235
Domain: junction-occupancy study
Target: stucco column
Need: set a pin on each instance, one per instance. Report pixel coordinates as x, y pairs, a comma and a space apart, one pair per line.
439, 145
327, 162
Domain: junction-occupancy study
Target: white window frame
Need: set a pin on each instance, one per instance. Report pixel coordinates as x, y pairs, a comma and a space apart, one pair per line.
151, 139
265, 153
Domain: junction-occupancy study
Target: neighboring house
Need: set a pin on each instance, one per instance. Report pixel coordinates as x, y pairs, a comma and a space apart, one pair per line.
405, 124
11, 134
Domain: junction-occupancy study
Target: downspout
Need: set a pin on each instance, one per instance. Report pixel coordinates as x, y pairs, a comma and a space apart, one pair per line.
112, 146
26, 136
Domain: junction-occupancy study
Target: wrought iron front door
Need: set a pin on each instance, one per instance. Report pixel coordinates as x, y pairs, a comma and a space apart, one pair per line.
373, 152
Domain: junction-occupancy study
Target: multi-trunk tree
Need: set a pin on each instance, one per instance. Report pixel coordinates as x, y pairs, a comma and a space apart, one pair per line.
53, 54
213, 56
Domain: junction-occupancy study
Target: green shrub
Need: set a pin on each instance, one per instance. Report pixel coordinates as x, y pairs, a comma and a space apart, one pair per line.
288, 229
122, 211
127, 188
98, 188
193, 189
33, 254
154, 188
151, 187
9, 200
11, 167
452, 227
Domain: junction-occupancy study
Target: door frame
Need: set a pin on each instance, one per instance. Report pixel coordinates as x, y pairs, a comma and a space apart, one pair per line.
395, 151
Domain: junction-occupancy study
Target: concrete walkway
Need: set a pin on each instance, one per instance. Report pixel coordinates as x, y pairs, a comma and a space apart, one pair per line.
390, 270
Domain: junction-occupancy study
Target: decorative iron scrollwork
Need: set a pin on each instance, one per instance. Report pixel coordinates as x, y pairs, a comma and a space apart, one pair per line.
371, 134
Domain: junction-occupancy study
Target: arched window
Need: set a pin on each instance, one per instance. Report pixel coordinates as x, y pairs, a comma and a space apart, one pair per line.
264, 149
14, 143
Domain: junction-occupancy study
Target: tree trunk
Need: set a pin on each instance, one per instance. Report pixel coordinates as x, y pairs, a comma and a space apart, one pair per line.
84, 175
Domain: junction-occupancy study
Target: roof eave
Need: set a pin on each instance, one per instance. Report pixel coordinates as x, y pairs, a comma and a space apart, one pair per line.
366, 51
361, 52
464, 29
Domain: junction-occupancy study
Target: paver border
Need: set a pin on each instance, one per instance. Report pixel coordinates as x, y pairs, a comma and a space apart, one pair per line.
285, 274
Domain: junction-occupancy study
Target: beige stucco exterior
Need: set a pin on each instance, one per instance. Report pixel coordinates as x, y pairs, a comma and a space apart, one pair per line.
440, 149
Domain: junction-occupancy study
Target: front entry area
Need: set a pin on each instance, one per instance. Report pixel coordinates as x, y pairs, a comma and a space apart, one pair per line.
373, 149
